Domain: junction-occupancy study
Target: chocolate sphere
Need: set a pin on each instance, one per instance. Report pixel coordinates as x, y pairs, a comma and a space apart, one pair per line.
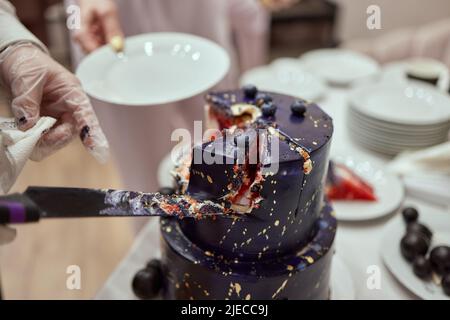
422, 267
268, 109
419, 228
262, 98
413, 244
298, 108
410, 214
446, 284
250, 91
148, 282
440, 259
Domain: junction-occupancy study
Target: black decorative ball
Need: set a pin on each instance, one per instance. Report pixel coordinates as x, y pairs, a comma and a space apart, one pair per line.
410, 214
422, 267
440, 259
147, 283
262, 98
419, 228
154, 264
250, 91
298, 108
446, 284
413, 244
268, 109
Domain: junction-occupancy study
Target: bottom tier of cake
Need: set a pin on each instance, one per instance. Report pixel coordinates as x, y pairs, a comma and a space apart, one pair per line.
192, 273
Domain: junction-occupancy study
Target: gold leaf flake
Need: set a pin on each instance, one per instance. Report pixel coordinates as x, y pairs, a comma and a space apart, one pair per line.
281, 288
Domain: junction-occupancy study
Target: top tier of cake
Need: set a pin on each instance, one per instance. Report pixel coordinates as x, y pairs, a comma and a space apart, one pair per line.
310, 130
280, 188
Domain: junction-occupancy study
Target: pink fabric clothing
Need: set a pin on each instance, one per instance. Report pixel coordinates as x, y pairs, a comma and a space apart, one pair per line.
431, 40
140, 137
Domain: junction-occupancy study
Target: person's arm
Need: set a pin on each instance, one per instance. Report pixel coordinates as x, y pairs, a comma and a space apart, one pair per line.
99, 25
11, 30
40, 86
431, 40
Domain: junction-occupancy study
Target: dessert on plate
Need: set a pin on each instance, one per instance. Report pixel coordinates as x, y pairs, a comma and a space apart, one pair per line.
344, 184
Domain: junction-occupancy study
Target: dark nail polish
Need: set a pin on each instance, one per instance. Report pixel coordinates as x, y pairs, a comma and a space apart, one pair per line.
23, 120
84, 132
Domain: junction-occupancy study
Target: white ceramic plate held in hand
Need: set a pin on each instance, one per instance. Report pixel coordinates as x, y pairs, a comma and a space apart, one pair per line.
439, 223
388, 189
156, 68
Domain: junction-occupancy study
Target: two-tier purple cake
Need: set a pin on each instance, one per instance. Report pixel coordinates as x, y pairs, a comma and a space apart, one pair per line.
270, 161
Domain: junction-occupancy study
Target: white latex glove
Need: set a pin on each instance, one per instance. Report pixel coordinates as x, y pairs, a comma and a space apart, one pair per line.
41, 87
6, 234
99, 25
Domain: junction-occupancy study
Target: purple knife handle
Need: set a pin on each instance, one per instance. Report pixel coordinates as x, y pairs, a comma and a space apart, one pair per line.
17, 208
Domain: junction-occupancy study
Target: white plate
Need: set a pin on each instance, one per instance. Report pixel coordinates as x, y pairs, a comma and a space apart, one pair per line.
439, 223
412, 104
388, 190
286, 76
397, 72
384, 147
385, 150
391, 133
394, 139
156, 68
393, 143
401, 138
414, 129
338, 66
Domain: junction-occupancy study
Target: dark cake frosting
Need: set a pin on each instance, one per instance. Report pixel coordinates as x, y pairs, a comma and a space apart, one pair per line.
198, 274
290, 198
281, 239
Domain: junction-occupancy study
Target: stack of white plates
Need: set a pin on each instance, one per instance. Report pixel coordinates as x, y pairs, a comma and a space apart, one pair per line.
391, 118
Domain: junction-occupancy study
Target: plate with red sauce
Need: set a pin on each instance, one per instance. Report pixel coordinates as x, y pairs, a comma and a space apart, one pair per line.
360, 189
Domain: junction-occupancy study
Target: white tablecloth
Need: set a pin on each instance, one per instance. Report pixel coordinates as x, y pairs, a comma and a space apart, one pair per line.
357, 243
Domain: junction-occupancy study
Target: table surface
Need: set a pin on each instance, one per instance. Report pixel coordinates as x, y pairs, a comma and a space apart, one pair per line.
357, 243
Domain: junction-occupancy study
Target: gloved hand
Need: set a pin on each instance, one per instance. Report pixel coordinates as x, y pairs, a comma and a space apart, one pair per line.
7, 234
99, 24
41, 87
